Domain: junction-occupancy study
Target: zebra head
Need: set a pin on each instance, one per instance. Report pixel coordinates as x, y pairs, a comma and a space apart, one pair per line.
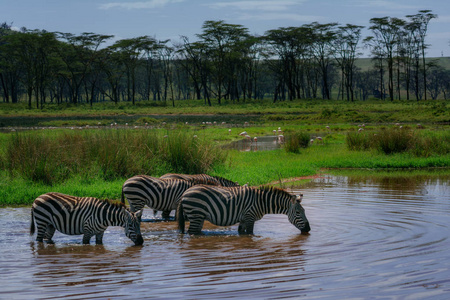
297, 216
133, 227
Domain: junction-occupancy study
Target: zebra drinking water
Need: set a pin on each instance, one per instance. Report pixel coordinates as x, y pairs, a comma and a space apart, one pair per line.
76, 215
244, 205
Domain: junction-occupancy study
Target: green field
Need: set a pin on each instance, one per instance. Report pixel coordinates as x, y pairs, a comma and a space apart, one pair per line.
72, 153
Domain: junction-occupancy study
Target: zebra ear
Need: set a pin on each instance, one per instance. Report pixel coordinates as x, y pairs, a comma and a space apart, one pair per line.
298, 198
138, 214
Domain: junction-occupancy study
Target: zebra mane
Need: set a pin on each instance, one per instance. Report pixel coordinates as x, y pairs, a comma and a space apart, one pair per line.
114, 203
226, 181
275, 190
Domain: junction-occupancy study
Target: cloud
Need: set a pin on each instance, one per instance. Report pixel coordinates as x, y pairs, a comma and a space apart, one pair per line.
139, 4
281, 16
257, 5
384, 4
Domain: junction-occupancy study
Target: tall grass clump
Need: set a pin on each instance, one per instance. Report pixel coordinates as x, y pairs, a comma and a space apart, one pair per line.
399, 140
426, 144
359, 141
296, 140
35, 158
106, 154
395, 140
123, 153
186, 153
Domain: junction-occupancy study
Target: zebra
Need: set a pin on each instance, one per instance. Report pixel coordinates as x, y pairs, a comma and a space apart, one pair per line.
159, 194
163, 193
81, 215
224, 206
201, 179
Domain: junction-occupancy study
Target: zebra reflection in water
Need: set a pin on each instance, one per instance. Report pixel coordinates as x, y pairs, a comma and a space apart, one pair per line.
244, 205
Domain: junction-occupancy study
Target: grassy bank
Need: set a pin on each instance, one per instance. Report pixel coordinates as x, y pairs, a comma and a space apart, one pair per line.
96, 162
95, 158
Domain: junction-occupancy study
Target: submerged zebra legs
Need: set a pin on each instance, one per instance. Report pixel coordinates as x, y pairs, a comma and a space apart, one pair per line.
196, 224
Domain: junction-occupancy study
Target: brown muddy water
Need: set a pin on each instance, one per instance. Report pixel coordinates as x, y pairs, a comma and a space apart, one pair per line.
371, 238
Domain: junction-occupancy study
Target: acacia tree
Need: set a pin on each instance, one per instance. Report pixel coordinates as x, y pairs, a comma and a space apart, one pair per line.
33, 51
197, 65
323, 36
420, 23
288, 54
385, 40
223, 41
345, 52
79, 53
9, 70
130, 52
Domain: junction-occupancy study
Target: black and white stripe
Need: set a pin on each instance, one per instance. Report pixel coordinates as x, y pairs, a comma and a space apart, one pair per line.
224, 206
76, 215
159, 194
201, 179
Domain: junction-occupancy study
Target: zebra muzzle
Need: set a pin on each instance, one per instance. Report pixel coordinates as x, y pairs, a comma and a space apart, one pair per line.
139, 240
306, 229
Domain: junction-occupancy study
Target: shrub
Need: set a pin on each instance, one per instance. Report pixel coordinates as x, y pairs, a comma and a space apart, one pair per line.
359, 141
296, 140
395, 140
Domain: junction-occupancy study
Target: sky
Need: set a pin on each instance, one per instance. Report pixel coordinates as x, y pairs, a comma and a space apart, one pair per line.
170, 19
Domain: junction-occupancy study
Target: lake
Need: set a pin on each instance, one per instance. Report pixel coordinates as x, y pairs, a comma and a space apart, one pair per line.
372, 237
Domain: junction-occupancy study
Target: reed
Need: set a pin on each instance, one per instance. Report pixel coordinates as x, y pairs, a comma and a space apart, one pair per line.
109, 154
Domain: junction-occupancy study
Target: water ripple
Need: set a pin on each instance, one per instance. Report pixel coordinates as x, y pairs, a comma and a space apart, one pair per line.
369, 239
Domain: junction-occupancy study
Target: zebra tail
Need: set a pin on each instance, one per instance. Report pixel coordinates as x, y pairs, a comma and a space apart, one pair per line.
32, 228
122, 199
180, 217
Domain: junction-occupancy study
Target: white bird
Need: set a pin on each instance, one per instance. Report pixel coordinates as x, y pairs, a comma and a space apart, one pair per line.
243, 133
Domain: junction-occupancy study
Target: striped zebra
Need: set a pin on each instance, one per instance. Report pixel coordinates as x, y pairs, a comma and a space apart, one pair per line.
159, 194
224, 206
76, 215
201, 179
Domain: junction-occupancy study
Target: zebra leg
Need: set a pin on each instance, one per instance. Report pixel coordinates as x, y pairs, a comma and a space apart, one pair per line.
249, 227
87, 238
242, 228
49, 232
41, 231
166, 214
195, 225
99, 238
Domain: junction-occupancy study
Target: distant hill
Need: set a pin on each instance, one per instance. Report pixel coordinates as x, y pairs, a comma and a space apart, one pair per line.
366, 63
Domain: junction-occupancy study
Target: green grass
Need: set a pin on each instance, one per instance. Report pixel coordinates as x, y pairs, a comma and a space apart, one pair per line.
261, 112
95, 162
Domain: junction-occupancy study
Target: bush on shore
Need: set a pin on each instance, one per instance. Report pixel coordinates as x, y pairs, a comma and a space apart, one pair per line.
399, 140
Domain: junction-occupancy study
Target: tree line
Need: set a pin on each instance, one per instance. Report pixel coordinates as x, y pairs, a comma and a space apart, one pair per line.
226, 62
